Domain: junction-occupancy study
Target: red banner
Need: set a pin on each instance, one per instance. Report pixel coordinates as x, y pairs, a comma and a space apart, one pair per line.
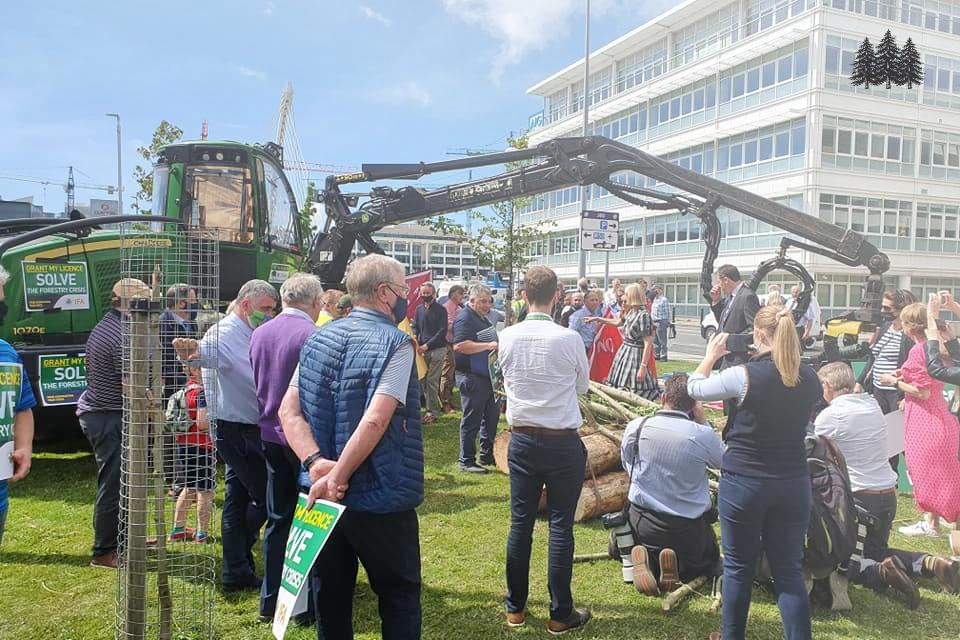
605, 346
414, 280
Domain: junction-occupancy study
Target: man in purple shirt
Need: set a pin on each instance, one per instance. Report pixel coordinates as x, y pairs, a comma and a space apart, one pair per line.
274, 354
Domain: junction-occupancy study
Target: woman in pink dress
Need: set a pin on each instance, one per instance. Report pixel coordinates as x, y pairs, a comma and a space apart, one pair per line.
932, 434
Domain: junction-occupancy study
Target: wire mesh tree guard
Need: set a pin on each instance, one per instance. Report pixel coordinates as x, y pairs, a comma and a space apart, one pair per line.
165, 587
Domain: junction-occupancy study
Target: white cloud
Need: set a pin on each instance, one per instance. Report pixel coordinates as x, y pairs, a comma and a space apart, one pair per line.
404, 94
270, 8
531, 25
247, 72
374, 15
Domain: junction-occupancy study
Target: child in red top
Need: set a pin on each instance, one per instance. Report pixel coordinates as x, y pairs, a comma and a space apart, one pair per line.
196, 465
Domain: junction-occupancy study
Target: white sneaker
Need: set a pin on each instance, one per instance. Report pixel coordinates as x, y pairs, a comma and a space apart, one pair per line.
921, 529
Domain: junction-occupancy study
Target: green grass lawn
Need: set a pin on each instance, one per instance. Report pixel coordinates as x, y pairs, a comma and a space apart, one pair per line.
49, 592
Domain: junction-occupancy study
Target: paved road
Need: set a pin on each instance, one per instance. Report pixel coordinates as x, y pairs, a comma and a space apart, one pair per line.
688, 345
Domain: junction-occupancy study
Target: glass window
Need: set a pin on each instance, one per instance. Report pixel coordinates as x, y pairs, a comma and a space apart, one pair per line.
698, 100
783, 144
800, 63
769, 74
766, 148
939, 149
943, 80
843, 141
738, 82
893, 148
753, 80
833, 61
221, 197
861, 142
750, 152
712, 94
846, 59
798, 138
953, 155
784, 69
281, 211
926, 149
829, 140
675, 108
723, 158
687, 104
664, 112
736, 155
724, 90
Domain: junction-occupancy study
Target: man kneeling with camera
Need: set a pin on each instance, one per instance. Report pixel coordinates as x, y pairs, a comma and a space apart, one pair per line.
667, 456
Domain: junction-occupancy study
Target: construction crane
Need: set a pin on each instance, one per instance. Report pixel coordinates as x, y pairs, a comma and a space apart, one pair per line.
318, 167
70, 186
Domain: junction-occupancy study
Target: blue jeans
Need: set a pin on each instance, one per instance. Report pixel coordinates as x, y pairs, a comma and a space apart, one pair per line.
757, 515
480, 414
660, 339
557, 462
104, 431
388, 545
244, 501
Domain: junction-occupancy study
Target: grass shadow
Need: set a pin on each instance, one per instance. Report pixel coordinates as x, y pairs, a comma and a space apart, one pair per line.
20, 557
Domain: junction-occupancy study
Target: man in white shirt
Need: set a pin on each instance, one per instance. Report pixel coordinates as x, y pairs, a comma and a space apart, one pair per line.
544, 368
856, 424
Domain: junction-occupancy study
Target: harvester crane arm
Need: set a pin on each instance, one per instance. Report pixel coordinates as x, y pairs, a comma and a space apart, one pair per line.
564, 162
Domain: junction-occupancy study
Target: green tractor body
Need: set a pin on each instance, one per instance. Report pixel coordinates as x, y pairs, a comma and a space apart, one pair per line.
60, 284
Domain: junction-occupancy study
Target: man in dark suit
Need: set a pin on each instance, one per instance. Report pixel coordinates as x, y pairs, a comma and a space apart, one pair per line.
734, 304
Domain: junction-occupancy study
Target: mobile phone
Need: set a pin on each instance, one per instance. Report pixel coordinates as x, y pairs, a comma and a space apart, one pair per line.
739, 342
941, 324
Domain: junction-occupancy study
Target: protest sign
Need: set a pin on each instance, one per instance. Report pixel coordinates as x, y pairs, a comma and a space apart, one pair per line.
55, 285
63, 378
309, 532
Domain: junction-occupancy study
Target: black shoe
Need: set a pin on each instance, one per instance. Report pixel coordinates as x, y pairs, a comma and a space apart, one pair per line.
263, 619
488, 462
247, 584
576, 619
472, 468
894, 575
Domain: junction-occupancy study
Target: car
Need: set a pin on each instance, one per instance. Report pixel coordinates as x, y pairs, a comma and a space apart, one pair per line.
708, 324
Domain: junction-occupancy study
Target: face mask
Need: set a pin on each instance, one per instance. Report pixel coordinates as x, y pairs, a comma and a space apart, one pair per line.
192, 311
427, 298
577, 305
3, 310
887, 316
399, 309
257, 318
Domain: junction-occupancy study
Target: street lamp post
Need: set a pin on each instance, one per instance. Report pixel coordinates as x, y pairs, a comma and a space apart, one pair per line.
119, 166
582, 270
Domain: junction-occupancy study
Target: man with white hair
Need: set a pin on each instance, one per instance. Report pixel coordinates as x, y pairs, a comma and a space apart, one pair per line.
274, 353
352, 415
224, 355
473, 340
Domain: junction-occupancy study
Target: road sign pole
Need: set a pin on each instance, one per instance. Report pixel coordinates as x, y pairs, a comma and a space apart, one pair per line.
606, 269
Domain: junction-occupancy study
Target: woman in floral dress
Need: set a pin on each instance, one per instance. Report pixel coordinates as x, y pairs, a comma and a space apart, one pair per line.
931, 432
629, 370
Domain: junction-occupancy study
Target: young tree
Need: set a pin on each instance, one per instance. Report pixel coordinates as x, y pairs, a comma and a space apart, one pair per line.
887, 55
909, 66
165, 134
862, 74
498, 241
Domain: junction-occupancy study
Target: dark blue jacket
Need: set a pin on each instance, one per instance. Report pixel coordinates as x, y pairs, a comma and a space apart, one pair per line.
766, 436
340, 367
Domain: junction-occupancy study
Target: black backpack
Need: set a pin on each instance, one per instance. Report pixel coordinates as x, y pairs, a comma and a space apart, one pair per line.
832, 533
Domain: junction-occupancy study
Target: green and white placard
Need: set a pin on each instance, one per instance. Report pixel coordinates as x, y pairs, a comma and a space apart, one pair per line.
310, 530
55, 285
63, 378
11, 374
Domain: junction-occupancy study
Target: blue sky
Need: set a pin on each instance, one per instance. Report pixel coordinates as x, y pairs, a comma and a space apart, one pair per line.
374, 81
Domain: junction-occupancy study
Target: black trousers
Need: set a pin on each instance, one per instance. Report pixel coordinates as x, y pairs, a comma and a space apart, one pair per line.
692, 540
388, 545
884, 509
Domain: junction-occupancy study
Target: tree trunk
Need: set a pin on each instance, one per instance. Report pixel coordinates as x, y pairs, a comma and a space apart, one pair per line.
602, 453
612, 489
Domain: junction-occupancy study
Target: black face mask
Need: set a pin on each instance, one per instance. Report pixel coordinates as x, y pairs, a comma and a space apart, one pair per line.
192, 310
3, 310
428, 298
887, 316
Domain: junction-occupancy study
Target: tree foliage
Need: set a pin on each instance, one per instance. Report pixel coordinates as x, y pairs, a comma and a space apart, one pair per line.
305, 221
887, 60
909, 65
497, 240
863, 72
165, 134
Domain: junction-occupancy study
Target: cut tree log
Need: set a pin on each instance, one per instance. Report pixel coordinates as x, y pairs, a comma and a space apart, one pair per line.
612, 491
625, 396
602, 452
685, 589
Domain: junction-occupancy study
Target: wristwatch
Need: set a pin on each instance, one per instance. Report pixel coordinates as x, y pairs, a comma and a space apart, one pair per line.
310, 459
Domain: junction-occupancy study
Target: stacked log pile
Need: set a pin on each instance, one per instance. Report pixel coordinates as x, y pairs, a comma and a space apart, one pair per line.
606, 412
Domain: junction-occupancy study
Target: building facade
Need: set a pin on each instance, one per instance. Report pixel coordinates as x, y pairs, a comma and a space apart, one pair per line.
420, 248
756, 93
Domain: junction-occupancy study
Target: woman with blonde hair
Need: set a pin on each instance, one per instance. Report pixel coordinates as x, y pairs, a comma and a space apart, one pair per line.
629, 369
930, 430
764, 496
